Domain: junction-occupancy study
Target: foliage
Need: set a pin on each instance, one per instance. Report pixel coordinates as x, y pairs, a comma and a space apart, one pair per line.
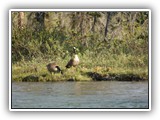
125, 48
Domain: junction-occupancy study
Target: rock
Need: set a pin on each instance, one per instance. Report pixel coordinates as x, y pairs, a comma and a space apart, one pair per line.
95, 76
30, 78
71, 79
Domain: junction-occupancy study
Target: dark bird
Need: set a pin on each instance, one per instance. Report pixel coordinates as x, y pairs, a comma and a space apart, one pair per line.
54, 68
73, 61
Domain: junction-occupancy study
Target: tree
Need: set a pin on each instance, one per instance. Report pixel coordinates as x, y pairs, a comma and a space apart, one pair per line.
107, 23
21, 18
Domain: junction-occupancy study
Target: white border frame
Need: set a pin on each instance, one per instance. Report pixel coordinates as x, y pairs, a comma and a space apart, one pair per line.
72, 10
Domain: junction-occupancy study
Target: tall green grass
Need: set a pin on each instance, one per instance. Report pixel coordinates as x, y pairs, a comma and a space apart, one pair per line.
120, 64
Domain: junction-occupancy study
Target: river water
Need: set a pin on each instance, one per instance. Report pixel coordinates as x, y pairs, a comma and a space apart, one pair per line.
104, 94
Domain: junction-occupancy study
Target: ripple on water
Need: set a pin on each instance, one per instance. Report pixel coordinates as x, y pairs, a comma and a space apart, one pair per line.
105, 94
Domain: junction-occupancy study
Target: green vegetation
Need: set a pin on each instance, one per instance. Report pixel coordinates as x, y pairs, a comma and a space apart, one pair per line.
112, 45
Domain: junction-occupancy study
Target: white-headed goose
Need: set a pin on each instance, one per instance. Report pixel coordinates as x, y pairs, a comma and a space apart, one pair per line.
73, 61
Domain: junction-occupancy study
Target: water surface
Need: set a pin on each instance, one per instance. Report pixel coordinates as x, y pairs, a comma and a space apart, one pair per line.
104, 94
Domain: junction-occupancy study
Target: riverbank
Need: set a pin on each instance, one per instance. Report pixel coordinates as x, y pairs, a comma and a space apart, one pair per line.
110, 45
121, 68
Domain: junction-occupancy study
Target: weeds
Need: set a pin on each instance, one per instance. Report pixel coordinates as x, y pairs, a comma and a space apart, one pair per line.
104, 67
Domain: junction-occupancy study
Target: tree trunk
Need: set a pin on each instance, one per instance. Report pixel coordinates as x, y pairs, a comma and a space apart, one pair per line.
94, 22
40, 18
107, 23
21, 16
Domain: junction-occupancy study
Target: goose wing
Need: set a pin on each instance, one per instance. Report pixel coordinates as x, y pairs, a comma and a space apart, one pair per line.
70, 63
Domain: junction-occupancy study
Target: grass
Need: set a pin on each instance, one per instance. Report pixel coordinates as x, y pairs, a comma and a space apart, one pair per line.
111, 67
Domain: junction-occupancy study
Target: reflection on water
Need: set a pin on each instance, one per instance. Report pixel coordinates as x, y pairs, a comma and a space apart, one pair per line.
105, 94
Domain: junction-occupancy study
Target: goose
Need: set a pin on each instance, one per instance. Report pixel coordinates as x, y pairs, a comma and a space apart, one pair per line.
54, 68
73, 61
